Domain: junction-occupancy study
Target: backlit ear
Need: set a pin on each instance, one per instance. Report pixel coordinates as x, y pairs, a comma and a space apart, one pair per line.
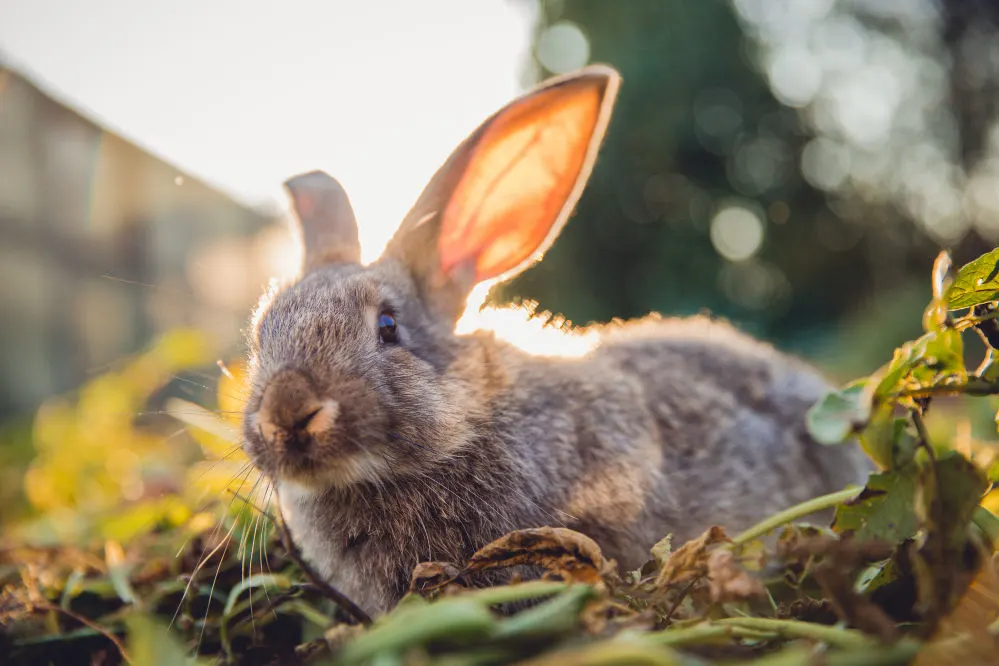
502, 197
325, 220
525, 175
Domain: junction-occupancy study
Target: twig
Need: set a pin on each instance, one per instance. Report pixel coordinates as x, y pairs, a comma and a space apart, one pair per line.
338, 597
683, 595
975, 386
91, 624
795, 512
701, 633
924, 435
969, 320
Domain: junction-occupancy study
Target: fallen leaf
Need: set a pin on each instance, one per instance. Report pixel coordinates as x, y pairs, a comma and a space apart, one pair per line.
690, 560
728, 581
570, 554
663, 549
966, 635
430, 576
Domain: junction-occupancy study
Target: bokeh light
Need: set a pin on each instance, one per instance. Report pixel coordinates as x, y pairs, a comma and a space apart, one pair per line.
872, 81
563, 47
736, 232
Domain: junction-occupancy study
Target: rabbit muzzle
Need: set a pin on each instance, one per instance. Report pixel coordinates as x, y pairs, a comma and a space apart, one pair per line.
300, 432
292, 415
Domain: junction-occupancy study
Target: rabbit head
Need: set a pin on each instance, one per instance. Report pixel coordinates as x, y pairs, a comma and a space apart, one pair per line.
357, 374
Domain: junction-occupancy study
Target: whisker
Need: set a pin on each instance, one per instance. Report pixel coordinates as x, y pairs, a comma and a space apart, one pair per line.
242, 553
244, 472
224, 369
257, 525
215, 579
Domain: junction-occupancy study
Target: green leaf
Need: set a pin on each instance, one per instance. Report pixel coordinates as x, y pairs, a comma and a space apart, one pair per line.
879, 574
839, 414
888, 440
151, 644
457, 620
878, 437
940, 361
556, 616
976, 282
272, 581
884, 510
934, 359
959, 489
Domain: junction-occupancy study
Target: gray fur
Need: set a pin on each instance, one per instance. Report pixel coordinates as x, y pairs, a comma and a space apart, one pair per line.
668, 426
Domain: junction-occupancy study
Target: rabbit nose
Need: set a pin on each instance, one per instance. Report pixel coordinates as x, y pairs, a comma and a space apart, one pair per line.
290, 411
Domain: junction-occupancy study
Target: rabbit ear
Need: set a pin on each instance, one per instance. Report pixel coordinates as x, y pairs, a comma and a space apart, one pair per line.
325, 220
502, 197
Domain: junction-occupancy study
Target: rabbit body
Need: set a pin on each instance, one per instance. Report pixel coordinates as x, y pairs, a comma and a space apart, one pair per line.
392, 440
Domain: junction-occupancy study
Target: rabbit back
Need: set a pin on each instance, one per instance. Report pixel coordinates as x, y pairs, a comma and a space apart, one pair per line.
670, 426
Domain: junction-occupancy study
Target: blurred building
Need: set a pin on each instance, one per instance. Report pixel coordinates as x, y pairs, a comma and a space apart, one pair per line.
103, 245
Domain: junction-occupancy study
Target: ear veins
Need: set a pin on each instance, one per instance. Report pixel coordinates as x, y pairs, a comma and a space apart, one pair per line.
445, 244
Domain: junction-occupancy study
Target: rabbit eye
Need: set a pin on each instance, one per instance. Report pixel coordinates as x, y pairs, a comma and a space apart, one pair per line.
387, 332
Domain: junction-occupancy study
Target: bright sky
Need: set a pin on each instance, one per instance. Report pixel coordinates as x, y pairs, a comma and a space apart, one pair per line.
245, 93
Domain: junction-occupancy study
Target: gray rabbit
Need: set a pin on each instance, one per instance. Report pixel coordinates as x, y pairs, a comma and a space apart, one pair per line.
392, 440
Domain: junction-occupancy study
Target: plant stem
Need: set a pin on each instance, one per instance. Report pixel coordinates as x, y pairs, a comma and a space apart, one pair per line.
969, 320
924, 435
519, 592
697, 634
974, 386
900, 653
845, 638
795, 512
877, 655
92, 625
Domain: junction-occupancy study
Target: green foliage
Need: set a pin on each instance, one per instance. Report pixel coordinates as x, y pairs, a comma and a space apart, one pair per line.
839, 414
976, 283
884, 510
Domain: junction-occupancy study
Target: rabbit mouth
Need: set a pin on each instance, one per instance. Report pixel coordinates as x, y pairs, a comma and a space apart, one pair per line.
339, 472
330, 456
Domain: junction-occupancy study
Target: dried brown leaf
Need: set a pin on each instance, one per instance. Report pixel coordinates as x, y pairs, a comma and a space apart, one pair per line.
690, 560
559, 550
964, 637
430, 576
728, 581
833, 563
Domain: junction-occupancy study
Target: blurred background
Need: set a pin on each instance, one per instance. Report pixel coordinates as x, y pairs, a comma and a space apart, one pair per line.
793, 165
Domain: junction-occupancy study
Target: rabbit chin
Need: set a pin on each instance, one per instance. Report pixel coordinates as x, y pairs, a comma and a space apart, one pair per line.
339, 472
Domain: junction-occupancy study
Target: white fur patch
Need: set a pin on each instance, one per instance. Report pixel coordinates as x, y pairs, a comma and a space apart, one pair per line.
324, 419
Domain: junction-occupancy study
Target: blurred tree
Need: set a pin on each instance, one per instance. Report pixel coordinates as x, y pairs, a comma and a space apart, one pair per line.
717, 188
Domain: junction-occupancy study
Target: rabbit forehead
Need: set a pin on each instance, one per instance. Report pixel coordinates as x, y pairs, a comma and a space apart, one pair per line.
339, 291
323, 312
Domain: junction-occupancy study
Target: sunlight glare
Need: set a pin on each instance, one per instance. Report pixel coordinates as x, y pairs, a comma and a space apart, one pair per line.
518, 326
